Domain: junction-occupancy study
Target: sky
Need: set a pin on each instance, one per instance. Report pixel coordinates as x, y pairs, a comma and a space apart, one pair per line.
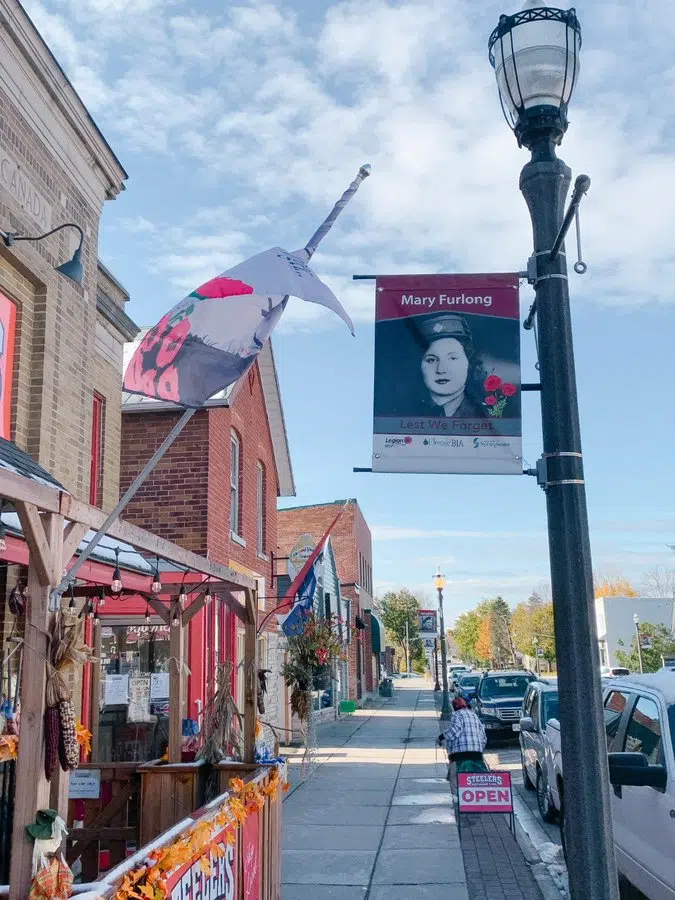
240, 126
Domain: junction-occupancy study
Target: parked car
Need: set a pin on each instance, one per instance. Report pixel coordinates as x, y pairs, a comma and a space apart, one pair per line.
455, 672
639, 713
614, 672
465, 686
539, 705
499, 700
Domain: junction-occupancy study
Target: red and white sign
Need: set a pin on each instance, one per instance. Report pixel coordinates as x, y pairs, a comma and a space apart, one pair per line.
250, 846
485, 792
189, 882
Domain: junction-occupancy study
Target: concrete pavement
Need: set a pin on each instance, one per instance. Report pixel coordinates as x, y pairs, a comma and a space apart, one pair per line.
375, 820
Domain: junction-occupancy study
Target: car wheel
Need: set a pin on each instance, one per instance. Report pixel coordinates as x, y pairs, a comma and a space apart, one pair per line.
527, 781
546, 808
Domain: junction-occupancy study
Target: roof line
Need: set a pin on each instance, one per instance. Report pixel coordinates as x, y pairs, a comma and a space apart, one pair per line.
316, 505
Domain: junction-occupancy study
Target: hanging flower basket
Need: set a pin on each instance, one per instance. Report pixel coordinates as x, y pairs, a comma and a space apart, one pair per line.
310, 658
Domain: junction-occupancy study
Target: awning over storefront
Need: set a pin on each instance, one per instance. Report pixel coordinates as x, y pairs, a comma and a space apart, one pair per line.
376, 634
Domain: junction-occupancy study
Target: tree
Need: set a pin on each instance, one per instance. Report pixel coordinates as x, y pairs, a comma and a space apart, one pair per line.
397, 608
532, 621
658, 582
465, 635
662, 644
484, 650
607, 585
500, 626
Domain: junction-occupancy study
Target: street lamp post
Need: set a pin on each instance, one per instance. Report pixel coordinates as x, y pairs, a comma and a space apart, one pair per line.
636, 622
535, 54
439, 583
437, 686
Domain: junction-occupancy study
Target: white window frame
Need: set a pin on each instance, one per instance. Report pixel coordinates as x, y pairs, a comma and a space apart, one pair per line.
260, 509
235, 471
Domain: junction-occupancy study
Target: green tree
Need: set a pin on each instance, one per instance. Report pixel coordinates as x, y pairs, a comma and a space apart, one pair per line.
500, 632
465, 635
662, 644
398, 608
532, 620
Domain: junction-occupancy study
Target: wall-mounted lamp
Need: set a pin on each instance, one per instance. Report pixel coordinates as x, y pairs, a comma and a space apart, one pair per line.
71, 269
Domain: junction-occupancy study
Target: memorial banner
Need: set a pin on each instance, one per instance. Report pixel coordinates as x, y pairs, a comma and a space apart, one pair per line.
447, 374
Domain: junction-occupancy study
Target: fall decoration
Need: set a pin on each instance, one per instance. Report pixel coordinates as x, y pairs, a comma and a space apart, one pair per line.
223, 724
66, 650
311, 654
148, 881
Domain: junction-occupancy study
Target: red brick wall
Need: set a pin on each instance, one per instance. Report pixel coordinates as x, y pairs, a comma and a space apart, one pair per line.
187, 498
352, 545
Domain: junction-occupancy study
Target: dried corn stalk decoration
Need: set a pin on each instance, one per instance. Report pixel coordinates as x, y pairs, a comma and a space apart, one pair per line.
223, 723
67, 649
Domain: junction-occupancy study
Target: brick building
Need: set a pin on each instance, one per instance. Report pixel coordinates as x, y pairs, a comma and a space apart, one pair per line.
60, 342
215, 493
352, 545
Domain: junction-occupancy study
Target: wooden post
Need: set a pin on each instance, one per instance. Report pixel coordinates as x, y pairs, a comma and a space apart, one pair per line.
95, 697
176, 685
32, 788
250, 674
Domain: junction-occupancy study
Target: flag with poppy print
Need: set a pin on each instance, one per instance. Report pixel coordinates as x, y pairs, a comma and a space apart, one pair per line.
213, 336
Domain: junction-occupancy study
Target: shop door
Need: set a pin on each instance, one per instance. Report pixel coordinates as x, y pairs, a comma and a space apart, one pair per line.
134, 698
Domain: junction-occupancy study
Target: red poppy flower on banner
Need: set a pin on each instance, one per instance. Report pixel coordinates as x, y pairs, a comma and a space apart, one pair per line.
493, 383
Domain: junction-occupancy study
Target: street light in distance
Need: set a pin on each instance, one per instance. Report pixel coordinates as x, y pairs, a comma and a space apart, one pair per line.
439, 584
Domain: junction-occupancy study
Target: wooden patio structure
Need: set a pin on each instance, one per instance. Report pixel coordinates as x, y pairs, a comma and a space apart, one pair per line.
54, 523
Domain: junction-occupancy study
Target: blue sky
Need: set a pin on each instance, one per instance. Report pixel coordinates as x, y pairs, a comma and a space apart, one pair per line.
239, 127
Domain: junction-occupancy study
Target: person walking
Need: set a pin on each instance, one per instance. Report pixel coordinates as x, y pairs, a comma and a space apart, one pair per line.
464, 740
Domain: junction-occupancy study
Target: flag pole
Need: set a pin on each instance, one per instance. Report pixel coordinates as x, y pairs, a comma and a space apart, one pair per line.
148, 469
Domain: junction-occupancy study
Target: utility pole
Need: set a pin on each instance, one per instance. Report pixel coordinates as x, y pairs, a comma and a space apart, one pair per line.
636, 622
407, 647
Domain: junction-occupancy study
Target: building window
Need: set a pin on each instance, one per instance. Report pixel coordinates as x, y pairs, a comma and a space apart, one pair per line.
260, 515
96, 473
235, 479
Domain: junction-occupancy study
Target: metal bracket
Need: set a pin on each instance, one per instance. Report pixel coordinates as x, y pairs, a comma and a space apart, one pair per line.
540, 472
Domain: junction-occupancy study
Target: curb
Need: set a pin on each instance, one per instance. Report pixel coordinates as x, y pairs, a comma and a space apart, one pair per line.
547, 886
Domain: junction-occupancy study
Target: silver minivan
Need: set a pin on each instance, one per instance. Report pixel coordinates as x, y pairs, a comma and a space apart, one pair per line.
539, 705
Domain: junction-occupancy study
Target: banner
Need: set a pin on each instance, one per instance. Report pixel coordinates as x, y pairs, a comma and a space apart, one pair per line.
426, 622
216, 880
447, 374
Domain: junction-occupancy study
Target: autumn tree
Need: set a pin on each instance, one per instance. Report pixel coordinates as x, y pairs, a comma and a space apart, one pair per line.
465, 636
500, 626
608, 585
658, 582
484, 642
661, 644
532, 627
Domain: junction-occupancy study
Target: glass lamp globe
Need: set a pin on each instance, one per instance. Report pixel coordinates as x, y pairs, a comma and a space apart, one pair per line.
535, 55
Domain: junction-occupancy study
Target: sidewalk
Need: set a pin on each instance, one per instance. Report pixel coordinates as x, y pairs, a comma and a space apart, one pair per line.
375, 821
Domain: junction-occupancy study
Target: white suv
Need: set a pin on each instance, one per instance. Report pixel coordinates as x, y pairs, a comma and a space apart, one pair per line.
640, 723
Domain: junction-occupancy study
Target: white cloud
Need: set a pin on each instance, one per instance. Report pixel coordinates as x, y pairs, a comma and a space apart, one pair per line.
275, 108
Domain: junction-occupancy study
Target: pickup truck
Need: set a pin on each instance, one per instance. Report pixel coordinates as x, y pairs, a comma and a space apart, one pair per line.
639, 713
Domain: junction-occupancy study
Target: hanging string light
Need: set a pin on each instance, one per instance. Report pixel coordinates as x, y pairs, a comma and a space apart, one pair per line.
116, 585
182, 596
72, 606
147, 614
209, 596
156, 580
3, 542
175, 620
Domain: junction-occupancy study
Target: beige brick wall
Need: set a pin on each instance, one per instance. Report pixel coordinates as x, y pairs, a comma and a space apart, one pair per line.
65, 349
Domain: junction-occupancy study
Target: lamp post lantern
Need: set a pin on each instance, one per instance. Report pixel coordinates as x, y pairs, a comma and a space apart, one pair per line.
636, 622
439, 584
535, 55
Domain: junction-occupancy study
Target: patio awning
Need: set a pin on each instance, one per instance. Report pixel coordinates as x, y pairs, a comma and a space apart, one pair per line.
376, 634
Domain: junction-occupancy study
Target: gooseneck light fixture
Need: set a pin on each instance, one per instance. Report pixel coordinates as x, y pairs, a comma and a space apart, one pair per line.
72, 268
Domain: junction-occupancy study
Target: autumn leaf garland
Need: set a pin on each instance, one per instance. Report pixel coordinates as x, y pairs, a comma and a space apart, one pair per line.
148, 882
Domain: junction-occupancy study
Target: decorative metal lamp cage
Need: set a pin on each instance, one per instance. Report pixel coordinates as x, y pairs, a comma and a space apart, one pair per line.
535, 55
